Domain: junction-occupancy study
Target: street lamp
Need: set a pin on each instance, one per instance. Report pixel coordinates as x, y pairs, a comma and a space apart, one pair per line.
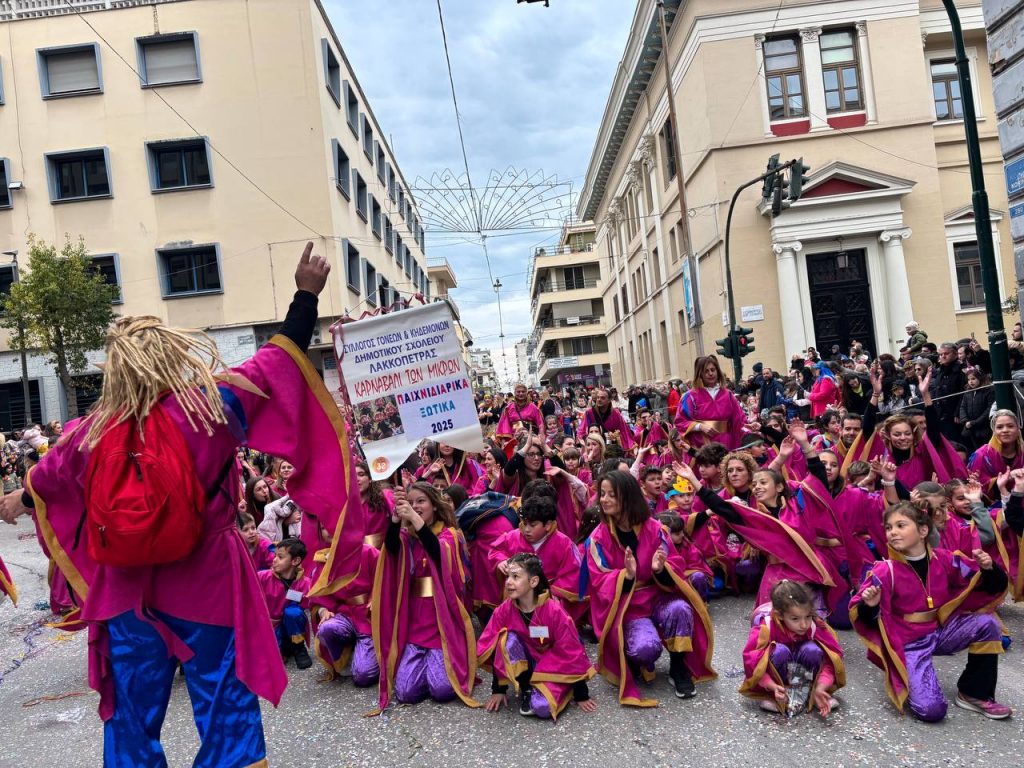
21, 343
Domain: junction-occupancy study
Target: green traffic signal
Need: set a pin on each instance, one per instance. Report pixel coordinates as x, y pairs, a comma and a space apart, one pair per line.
726, 348
797, 179
770, 182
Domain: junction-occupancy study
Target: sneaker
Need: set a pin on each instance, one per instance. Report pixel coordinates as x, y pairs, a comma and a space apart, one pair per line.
1006, 640
525, 701
302, 660
991, 708
685, 689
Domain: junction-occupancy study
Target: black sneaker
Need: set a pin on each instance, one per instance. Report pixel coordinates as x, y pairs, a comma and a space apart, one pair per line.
683, 683
525, 701
302, 660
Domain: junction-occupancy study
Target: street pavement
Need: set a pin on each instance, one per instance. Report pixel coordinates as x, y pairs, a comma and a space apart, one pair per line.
49, 714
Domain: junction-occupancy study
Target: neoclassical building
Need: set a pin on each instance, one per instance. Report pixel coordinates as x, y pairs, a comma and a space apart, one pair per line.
866, 93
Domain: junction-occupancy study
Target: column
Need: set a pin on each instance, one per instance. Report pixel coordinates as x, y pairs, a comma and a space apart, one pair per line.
900, 311
793, 336
762, 83
815, 96
866, 74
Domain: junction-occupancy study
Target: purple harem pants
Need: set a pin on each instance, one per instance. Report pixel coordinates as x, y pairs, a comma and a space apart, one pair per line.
421, 673
807, 654
672, 617
337, 634
701, 583
925, 696
541, 708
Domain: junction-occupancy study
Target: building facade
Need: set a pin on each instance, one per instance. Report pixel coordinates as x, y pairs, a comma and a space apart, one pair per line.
569, 340
481, 371
866, 93
442, 279
199, 222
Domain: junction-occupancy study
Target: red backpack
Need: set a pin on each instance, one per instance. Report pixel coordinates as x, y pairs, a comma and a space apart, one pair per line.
143, 500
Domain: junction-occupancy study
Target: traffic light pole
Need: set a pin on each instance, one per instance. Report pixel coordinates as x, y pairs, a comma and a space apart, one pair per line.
737, 360
982, 221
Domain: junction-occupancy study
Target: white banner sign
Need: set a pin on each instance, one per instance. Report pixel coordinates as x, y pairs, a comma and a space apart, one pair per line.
406, 380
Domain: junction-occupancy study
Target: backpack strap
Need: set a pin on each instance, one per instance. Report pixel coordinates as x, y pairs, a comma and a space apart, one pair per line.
218, 484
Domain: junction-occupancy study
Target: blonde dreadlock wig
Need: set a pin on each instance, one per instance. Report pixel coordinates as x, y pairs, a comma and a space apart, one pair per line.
146, 360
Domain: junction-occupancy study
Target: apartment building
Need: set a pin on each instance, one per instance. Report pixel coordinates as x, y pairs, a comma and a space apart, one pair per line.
569, 340
866, 93
441, 277
198, 166
481, 370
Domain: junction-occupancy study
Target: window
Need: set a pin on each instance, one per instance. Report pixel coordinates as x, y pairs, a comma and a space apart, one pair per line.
669, 147
390, 182
342, 170
839, 69
583, 346
72, 70
398, 248
401, 203
107, 266
573, 278
179, 164
381, 162
375, 216
6, 280
389, 235
168, 59
949, 105
615, 307
371, 283
785, 78
5, 179
352, 264
408, 263
332, 73
351, 108
79, 175
625, 301
384, 293
188, 271
968, 275
368, 140
360, 189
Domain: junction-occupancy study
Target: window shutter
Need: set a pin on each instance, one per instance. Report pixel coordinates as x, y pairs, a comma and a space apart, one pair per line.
171, 61
72, 71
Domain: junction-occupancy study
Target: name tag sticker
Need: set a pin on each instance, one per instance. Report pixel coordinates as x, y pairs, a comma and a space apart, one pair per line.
294, 595
539, 633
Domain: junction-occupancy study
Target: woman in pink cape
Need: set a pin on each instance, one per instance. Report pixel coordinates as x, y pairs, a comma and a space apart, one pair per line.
532, 643
422, 631
825, 393
909, 610
918, 454
378, 504
1004, 452
455, 466
709, 411
640, 600
144, 620
648, 432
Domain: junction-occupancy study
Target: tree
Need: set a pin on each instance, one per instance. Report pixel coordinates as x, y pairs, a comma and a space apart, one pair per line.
63, 304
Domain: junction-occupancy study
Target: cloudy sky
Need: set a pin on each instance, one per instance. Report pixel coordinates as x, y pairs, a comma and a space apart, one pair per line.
532, 83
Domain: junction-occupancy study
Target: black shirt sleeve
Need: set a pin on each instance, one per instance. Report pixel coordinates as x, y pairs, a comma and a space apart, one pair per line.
1015, 514
993, 581
901, 491
430, 543
816, 468
392, 537
514, 465
580, 691
300, 321
868, 613
933, 424
869, 421
718, 505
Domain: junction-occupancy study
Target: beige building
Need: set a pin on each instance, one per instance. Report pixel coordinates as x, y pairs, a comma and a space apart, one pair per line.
196, 171
569, 340
442, 279
866, 93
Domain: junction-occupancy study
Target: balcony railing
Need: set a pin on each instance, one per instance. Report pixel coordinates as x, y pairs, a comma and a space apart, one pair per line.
567, 285
10, 10
570, 322
562, 250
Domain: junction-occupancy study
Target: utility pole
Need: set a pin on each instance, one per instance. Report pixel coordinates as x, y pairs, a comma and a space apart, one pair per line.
684, 216
982, 221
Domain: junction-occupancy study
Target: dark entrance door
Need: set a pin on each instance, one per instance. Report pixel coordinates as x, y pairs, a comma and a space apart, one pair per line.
840, 301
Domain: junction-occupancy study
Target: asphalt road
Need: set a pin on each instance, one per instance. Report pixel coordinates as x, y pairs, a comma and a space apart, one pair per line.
49, 715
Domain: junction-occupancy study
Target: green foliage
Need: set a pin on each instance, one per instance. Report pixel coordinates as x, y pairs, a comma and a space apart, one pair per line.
63, 305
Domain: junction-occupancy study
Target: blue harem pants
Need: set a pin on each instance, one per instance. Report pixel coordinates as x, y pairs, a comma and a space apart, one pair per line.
227, 713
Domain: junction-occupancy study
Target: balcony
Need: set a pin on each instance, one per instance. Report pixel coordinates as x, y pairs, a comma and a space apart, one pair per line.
12, 10
545, 292
551, 366
553, 329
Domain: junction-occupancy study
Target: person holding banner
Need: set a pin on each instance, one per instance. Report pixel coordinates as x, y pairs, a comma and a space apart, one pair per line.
521, 415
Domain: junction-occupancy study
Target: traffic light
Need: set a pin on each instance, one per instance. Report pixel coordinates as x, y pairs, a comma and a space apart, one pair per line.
726, 348
772, 181
797, 179
744, 344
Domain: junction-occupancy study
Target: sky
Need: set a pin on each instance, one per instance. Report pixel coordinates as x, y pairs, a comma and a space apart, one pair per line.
532, 84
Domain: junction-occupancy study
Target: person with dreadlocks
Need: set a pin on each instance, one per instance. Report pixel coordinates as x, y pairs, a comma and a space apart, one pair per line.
159, 446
